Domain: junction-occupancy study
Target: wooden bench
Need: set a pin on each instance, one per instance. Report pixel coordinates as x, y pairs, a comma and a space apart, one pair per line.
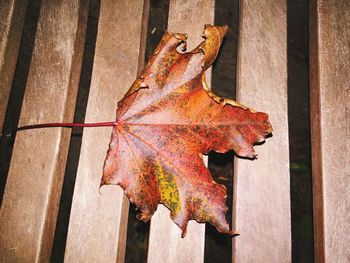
98, 223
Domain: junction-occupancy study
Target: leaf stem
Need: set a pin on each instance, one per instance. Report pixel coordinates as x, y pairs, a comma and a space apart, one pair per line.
59, 124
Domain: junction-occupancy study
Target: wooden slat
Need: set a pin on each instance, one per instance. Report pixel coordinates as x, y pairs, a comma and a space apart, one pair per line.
330, 127
98, 222
262, 203
165, 242
12, 15
30, 204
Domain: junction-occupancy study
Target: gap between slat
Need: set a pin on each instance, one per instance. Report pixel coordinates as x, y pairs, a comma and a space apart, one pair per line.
18, 89
61, 230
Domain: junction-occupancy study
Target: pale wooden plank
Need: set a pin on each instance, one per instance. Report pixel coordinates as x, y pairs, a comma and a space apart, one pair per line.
98, 222
30, 204
12, 15
330, 127
262, 193
165, 242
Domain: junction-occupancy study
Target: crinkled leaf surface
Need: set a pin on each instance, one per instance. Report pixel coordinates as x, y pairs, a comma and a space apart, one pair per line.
166, 121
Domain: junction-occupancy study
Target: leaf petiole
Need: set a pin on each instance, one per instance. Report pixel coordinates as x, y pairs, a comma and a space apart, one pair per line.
58, 124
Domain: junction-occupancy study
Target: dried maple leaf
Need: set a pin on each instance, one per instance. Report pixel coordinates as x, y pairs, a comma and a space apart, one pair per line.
166, 121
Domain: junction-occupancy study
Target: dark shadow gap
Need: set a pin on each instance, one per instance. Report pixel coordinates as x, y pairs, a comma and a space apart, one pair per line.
60, 238
138, 231
299, 131
218, 247
18, 88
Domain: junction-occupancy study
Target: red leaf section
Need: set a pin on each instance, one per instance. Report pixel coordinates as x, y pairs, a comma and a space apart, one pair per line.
166, 121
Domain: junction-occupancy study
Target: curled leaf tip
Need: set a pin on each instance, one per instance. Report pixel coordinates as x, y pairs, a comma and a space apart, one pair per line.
234, 233
183, 233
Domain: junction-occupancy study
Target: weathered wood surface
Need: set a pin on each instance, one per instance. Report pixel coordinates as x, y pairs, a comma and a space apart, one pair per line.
98, 222
262, 193
165, 242
330, 127
30, 204
12, 14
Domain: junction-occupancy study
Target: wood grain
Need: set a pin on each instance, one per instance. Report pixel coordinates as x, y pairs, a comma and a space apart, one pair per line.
330, 127
12, 15
165, 243
30, 204
98, 222
262, 191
